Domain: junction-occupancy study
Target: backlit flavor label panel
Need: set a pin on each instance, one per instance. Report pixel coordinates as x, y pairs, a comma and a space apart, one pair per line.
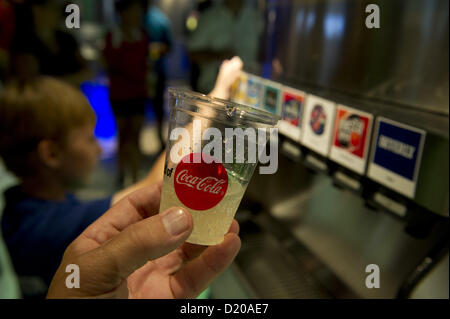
272, 97
351, 138
292, 102
317, 124
254, 91
239, 89
396, 156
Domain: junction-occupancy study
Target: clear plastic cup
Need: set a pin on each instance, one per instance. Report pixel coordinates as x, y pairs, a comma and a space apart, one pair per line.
211, 181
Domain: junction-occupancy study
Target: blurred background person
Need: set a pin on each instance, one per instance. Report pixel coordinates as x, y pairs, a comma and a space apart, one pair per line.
47, 142
40, 46
158, 27
126, 55
7, 26
225, 29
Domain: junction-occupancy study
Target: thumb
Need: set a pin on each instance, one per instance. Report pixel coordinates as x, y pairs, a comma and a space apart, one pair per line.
146, 240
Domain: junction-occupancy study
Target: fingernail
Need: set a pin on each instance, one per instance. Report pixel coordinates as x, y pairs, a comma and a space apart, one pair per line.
175, 221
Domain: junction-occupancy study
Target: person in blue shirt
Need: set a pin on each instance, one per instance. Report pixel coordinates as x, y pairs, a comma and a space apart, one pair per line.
159, 31
39, 230
47, 140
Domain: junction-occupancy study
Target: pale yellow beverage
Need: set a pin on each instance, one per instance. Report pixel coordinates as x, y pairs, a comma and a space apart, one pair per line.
212, 188
210, 225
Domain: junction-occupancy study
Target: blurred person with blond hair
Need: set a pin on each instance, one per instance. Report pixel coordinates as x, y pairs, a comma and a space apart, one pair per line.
47, 141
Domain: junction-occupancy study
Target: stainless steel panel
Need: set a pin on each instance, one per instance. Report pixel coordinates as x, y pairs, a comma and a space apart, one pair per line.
340, 230
326, 44
399, 71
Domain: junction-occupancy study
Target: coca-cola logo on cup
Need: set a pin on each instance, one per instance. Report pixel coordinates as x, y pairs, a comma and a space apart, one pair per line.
200, 186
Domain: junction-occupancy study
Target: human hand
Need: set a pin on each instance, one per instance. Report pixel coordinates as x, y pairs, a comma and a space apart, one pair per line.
228, 73
134, 252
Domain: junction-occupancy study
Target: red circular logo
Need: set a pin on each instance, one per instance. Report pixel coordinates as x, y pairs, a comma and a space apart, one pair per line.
202, 185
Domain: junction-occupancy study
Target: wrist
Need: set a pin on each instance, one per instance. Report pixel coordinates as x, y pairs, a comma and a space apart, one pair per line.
220, 93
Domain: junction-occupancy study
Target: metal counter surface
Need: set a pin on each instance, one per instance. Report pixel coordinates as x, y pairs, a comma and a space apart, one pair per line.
339, 229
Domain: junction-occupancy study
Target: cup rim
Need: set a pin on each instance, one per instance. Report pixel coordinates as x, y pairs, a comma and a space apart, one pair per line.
242, 111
